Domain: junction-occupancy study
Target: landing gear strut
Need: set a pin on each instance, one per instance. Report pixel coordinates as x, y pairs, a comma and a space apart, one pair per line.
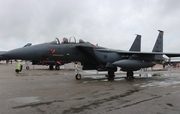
51, 67
27, 67
110, 75
130, 75
78, 67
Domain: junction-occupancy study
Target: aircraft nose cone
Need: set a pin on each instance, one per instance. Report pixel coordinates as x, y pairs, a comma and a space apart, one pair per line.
2, 58
20, 53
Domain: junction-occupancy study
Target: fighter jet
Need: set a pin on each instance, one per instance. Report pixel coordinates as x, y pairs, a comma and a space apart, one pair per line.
136, 46
92, 57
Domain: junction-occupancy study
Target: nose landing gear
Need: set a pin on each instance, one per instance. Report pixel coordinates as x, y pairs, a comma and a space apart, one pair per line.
78, 76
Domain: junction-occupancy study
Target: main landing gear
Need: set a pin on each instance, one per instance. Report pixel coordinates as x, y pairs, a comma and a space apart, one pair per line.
110, 75
130, 75
57, 67
51, 67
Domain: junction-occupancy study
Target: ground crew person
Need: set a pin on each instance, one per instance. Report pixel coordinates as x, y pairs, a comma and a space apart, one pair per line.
19, 67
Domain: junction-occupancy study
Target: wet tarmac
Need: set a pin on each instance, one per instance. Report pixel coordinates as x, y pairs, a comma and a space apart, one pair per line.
40, 91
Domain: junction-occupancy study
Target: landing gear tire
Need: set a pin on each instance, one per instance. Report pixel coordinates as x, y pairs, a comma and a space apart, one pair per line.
110, 75
78, 76
130, 75
57, 67
51, 67
27, 67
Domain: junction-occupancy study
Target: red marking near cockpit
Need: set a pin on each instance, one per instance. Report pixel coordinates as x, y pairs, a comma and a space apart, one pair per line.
52, 51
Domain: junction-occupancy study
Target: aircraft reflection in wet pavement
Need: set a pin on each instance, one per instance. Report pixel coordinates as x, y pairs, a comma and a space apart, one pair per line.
91, 57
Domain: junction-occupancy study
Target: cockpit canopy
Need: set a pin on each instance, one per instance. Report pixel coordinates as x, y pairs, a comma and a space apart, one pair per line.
65, 41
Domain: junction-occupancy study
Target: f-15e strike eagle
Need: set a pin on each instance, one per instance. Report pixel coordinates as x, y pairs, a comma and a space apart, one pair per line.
92, 57
136, 46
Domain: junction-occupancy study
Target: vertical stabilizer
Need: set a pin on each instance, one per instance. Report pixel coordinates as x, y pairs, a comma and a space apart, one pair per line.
158, 47
136, 46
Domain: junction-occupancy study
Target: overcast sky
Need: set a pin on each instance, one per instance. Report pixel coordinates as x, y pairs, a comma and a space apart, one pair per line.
109, 23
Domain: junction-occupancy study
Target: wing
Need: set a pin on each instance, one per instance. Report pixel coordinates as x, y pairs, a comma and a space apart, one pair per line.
129, 53
87, 49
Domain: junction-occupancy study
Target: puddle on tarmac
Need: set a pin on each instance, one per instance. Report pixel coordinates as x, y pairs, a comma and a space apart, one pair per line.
161, 84
117, 77
95, 77
143, 75
103, 78
25, 100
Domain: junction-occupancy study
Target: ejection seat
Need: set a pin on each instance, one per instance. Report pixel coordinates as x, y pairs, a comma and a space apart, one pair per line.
64, 41
81, 41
